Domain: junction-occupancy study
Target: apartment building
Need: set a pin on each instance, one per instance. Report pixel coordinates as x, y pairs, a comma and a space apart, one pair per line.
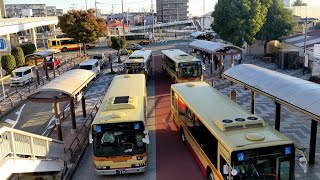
168, 10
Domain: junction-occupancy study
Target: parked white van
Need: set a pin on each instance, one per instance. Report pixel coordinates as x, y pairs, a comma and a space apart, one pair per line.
21, 76
92, 65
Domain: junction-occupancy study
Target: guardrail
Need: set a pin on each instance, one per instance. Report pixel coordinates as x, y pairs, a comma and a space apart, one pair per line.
17, 143
17, 96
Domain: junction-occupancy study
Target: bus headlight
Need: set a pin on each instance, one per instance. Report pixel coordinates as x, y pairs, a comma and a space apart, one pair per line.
139, 157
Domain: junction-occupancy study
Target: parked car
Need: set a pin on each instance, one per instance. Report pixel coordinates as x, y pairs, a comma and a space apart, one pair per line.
91, 65
21, 76
57, 62
134, 47
102, 58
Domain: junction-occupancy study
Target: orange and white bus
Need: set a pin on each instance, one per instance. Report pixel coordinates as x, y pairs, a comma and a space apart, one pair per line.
227, 141
180, 66
119, 134
66, 44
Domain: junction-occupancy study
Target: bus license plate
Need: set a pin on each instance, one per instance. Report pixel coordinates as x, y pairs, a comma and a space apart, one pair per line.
120, 171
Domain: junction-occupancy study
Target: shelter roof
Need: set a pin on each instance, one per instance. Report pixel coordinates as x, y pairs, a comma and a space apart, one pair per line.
294, 92
69, 83
212, 47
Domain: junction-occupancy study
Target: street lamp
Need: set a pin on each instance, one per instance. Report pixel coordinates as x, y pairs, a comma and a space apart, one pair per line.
305, 55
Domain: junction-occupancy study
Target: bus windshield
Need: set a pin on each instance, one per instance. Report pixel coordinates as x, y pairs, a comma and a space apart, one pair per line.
255, 165
119, 142
87, 67
190, 71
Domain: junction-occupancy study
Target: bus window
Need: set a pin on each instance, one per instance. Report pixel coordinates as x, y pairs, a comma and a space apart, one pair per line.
190, 120
63, 42
53, 43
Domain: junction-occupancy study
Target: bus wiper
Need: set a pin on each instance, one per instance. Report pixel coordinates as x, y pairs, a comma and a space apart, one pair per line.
255, 169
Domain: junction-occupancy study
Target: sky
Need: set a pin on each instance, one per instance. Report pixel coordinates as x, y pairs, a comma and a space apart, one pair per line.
195, 6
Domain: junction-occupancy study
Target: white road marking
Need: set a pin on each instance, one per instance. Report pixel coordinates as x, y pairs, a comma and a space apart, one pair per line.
19, 114
10, 121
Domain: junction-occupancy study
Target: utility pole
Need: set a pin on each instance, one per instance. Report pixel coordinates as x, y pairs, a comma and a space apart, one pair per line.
128, 17
124, 36
86, 5
95, 4
73, 5
152, 20
204, 12
112, 11
305, 64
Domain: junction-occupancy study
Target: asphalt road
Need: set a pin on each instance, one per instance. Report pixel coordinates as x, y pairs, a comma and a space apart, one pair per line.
168, 157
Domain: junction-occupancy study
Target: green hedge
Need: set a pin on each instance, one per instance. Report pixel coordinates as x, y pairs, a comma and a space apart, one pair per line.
19, 56
8, 63
28, 48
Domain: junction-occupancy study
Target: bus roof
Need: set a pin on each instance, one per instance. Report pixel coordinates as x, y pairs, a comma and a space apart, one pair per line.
124, 100
216, 110
60, 39
179, 56
139, 56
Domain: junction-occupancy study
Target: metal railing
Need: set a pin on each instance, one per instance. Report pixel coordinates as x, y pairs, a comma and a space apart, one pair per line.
17, 96
17, 143
161, 25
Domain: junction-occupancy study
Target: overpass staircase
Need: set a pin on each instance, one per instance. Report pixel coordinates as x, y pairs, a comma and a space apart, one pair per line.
24, 153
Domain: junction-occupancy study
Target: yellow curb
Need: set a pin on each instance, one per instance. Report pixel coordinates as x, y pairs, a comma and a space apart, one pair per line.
5, 77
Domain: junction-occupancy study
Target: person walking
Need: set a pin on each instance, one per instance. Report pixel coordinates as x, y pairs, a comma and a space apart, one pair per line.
216, 62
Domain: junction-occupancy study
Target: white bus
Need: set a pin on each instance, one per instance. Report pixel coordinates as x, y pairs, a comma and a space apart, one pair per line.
139, 62
180, 66
227, 141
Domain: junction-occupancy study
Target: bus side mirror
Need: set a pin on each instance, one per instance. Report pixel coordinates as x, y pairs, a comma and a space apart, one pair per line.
146, 139
203, 67
146, 132
90, 138
225, 169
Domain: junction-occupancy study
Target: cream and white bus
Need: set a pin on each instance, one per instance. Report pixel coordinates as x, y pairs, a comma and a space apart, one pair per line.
119, 133
227, 141
139, 62
180, 66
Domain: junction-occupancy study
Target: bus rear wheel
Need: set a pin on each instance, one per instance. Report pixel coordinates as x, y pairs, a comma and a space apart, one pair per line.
183, 138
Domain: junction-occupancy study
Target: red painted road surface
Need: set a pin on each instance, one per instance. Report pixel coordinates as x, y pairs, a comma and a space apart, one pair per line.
173, 160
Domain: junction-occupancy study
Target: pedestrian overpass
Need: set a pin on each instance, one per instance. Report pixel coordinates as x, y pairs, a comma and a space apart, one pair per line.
163, 25
9, 26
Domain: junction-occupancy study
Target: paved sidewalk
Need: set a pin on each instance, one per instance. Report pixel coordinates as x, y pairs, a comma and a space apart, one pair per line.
294, 125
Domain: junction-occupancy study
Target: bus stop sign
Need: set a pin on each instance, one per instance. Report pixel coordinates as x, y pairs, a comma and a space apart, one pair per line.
3, 45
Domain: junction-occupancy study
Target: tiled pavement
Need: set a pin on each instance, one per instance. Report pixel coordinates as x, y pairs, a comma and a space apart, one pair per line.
294, 125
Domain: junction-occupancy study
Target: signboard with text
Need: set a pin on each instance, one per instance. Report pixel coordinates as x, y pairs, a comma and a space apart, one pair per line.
3, 45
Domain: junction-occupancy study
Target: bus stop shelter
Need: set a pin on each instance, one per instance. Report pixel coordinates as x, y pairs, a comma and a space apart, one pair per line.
65, 88
43, 54
294, 93
216, 48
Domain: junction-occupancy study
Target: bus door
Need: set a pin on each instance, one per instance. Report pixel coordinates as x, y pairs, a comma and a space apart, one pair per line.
224, 162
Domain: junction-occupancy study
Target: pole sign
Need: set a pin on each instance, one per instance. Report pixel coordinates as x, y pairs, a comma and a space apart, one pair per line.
3, 45
316, 61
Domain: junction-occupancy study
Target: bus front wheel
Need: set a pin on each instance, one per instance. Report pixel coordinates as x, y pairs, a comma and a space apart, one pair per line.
211, 176
142, 43
87, 47
64, 49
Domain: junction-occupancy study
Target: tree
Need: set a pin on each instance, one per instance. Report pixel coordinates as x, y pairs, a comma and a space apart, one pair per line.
237, 21
118, 44
8, 63
299, 3
83, 26
19, 56
279, 22
317, 26
28, 48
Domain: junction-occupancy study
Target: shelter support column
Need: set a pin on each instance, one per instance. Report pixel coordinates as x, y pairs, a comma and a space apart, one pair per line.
54, 32
8, 42
232, 61
211, 62
252, 101
277, 116
37, 71
73, 115
221, 65
313, 141
34, 37
57, 117
83, 103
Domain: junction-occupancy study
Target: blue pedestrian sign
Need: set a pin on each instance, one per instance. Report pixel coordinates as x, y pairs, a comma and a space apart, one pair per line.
3, 45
